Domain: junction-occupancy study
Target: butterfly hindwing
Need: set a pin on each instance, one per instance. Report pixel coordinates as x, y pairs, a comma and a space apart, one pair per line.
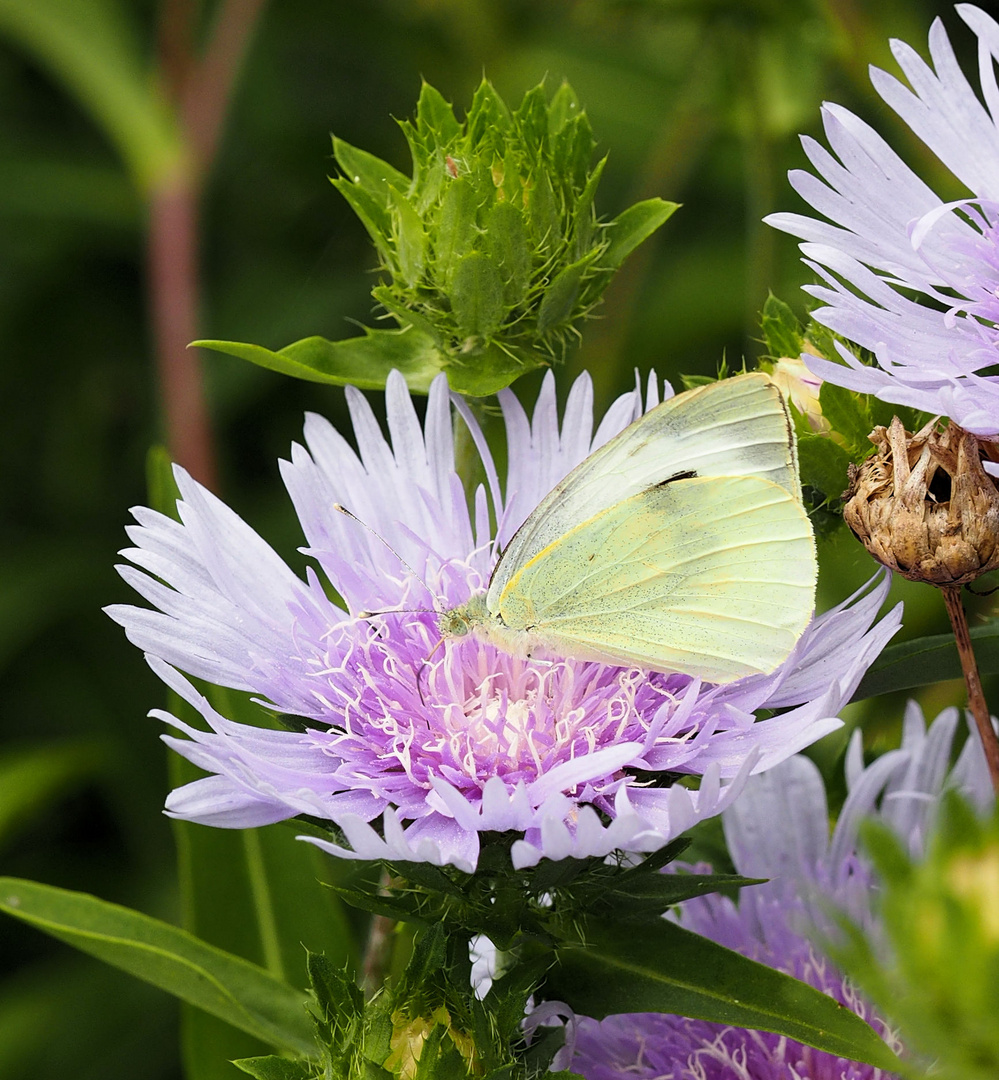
711, 576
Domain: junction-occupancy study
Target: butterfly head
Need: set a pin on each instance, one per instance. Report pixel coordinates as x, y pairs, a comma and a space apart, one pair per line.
459, 621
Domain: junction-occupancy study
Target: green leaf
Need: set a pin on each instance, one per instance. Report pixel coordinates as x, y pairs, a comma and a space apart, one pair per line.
476, 294
488, 114
491, 369
561, 295
362, 361
563, 108
846, 413
654, 893
506, 238
823, 464
928, 660
226, 986
92, 48
456, 229
373, 216
435, 116
531, 118
668, 969
634, 227
583, 216
783, 334
401, 909
274, 1068
429, 954
410, 239
339, 998
543, 215
376, 177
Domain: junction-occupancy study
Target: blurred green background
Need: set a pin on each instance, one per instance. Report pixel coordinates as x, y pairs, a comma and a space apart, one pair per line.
698, 101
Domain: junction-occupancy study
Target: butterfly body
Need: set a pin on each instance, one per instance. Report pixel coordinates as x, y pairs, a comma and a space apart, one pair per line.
680, 545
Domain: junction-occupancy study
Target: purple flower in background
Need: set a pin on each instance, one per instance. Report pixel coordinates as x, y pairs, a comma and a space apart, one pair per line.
779, 829
414, 749
911, 278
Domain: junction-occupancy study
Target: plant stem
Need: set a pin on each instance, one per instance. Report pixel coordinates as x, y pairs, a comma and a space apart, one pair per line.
173, 276
201, 90
378, 950
976, 699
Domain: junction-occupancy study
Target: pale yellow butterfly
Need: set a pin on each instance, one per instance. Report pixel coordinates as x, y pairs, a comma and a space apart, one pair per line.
681, 545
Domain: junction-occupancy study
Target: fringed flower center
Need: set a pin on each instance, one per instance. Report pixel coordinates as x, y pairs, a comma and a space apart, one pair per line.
465, 711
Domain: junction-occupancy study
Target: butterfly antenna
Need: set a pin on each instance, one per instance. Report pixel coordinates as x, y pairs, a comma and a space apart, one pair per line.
340, 508
419, 674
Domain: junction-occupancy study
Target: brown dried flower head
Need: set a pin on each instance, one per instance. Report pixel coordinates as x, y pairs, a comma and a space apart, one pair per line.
924, 506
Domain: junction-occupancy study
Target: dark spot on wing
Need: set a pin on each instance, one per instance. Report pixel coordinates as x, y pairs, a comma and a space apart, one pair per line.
688, 474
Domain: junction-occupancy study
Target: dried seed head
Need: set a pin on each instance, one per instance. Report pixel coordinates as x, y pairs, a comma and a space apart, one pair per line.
924, 506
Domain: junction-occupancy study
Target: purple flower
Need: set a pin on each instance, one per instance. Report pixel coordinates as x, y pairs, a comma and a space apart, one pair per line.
911, 278
443, 743
779, 828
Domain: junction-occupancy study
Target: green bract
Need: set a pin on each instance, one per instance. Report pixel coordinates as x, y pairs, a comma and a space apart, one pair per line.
491, 252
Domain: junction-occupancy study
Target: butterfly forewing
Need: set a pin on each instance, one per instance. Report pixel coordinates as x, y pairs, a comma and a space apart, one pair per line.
712, 576
736, 427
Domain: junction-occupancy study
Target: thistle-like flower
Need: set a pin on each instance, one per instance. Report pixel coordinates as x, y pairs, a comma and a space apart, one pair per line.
778, 829
412, 750
908, 276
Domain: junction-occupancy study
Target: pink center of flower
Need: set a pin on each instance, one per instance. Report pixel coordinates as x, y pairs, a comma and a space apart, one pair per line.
412, 708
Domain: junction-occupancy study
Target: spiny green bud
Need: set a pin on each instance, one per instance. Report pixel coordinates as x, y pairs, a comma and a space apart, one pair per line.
493, 247
491, 252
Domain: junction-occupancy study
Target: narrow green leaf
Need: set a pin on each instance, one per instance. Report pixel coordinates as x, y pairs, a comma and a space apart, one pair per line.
657, 892
561, 295
410, 238
531, 117
339, 998
377, 904
542, 214
823, 464
563, 109
506, 238
373, 216
93, 49
429, 953
633, 227
226, 986
456, 230
668, 969
928, 660
435, 116
476, 295
376, 177
362, 361
783, 334
584, 217
274, 1068
488, 114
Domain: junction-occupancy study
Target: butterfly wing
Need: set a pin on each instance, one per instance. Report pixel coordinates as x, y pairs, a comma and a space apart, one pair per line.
735, 427
709, 576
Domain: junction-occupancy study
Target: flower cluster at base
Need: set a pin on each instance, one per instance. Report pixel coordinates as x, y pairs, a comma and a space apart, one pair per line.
909, 277
445, 744
778, 829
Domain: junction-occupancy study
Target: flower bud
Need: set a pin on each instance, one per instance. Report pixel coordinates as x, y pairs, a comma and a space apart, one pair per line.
801, 388
923, 504
492, 249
